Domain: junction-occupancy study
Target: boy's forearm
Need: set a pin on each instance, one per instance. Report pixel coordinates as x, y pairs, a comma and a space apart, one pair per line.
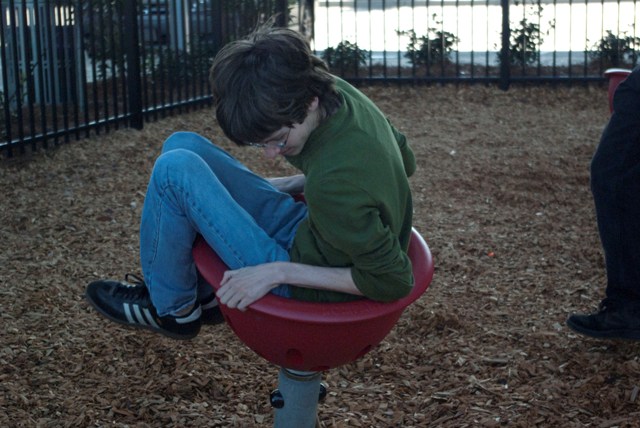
293, 184
318, 277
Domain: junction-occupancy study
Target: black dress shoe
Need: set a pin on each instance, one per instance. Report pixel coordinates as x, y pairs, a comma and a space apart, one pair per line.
614, 320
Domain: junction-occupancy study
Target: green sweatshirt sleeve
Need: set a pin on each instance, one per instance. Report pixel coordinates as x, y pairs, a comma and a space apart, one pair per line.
408, 158
344, 215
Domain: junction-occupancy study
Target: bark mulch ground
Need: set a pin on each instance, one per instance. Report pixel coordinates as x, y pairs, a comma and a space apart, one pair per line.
502, 197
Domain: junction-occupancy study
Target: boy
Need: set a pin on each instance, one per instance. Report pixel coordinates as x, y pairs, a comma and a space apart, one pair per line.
348, 241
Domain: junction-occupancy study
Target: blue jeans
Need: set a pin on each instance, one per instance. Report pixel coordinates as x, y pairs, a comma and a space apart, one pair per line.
615, 185
198, 188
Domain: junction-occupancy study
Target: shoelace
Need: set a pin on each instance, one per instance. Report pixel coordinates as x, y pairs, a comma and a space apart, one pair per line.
135, 279
136, 290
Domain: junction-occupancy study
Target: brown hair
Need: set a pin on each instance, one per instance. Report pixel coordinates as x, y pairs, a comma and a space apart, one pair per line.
267, 81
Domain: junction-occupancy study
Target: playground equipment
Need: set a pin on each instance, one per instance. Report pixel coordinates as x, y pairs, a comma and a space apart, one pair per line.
615, 76
306, 338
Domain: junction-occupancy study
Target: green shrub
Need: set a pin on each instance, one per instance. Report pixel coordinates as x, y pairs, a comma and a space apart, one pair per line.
345, 56
433, 48
524, 43
616, 51
525, 38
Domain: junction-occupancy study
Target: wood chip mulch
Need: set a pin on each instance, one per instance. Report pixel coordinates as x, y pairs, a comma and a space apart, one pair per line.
502, 197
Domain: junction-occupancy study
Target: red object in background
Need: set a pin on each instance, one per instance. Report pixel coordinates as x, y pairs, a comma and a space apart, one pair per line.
615, 76
311, 336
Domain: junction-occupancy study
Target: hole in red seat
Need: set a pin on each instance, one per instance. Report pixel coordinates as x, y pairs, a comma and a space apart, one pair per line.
294, 358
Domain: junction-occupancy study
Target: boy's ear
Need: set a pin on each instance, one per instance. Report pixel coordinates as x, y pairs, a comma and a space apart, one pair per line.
315, 102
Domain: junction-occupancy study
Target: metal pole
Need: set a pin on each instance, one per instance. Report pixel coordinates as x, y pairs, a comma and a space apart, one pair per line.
217, 26
178, 29
282, 9
296, 399
134, 81
505, 52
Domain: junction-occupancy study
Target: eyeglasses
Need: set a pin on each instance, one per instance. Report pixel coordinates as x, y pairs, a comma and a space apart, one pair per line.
279, 145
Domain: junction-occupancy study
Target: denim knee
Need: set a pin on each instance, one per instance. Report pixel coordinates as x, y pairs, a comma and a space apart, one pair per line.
185, 140
179, 167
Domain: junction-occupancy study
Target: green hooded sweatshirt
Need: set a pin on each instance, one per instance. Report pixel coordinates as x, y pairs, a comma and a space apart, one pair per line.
356, 166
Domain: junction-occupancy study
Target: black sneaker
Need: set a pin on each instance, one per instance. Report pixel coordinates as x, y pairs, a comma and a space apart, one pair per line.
613, 320
129, 304
211, 313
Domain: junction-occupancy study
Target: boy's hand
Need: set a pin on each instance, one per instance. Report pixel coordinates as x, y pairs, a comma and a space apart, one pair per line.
241, 287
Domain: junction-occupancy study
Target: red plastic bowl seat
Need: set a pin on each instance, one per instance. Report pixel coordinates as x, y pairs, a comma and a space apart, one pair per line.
615, 76
311, 336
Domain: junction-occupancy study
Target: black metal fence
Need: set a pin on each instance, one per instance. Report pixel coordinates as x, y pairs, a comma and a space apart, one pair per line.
71, 68
500, 41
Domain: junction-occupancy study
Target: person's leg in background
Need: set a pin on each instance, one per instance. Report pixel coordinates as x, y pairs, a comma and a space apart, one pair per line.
615, 185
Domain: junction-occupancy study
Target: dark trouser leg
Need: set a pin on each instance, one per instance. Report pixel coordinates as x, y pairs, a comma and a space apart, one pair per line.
615, 184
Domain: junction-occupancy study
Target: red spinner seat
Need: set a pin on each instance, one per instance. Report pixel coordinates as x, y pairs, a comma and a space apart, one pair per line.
310, 336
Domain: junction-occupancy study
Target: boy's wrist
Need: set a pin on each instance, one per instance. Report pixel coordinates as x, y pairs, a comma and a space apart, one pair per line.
279, 273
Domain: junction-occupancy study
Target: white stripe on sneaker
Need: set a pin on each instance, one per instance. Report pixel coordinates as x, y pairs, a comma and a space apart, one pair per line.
139, 317
127, 312
194, 316
212, 304
136, 316
150, 318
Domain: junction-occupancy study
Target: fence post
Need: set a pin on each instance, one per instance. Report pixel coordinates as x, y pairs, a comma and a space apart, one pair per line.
132, 50
218, 34
505, 51
282, 11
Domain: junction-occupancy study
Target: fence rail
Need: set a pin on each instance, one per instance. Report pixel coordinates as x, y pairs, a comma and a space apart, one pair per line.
71, 68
